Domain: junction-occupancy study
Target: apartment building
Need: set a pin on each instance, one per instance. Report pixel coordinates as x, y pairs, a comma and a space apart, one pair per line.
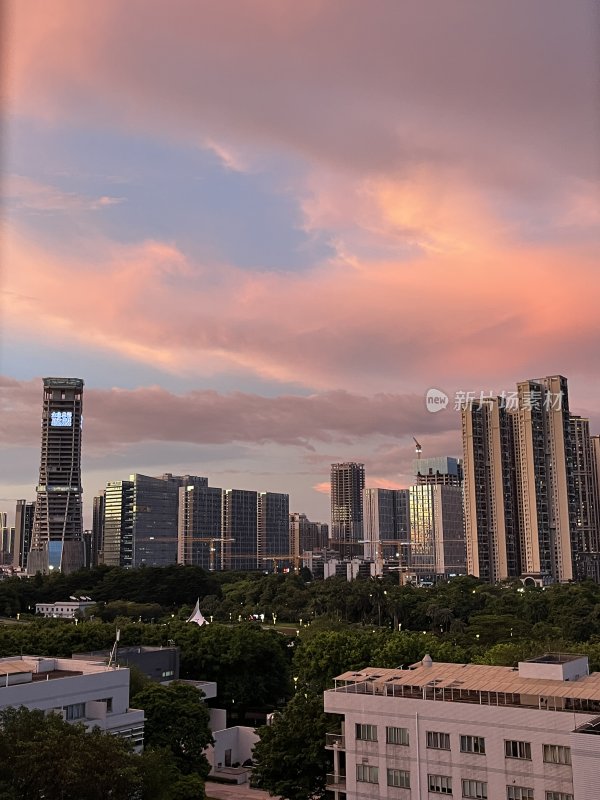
468, 731
91, 693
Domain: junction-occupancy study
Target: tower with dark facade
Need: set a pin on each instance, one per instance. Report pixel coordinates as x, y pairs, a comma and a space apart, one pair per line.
56, 541
347, 484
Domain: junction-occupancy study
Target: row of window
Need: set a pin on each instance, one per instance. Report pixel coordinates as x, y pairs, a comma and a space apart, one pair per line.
438, 740
442, 784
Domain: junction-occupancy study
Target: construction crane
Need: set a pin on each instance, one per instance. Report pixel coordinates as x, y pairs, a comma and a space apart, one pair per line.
418, 448
212, 549
284, 557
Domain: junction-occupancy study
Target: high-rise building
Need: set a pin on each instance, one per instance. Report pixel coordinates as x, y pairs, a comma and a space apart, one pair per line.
437, 530
200, 527
240, 530
7, 540
24, 514
386, 522
531, 486
273, 529
584, 479
56, 542
97, 539
155, 517
306, 535
545, 481
117, 524
347, 484
490, 504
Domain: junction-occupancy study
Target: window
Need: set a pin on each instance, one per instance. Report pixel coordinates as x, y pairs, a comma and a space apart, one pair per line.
398, 777
75, 711
557, 754
367, 733
472, 744
442, 784
367, 774
514, 749
438, 741
519, 793
558, 796
396, 735
476, 789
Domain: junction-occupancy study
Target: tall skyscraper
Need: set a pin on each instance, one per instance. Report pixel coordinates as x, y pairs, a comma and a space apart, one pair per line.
240, 529
545, 481
97, 543
7, 540
347, 484
200, 527
531, 489
493, 549
587, 524
386, 522
117, 524
57, 528
24, 514
437, 530
273, 528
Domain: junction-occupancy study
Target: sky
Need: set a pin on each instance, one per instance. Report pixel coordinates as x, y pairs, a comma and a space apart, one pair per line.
261, 230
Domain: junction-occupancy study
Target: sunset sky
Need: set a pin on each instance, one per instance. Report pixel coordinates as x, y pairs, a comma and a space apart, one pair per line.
260, 230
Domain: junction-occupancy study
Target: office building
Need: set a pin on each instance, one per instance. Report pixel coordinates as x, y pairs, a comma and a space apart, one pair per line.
200, 527
98, 529
56, 542
117, 524
89, 693
347, 532
273, 530
240, 529
160, 664
386, 523
306, 535
24, 514
442, 470
490, 503
437, 531
467, 730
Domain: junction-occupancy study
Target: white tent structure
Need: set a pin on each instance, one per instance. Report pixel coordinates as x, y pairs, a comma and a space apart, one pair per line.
197, 615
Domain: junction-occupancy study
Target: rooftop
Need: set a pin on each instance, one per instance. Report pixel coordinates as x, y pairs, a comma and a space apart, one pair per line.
29, 669
542, 682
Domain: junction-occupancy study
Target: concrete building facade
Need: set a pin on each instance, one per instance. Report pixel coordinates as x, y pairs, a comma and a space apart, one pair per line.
466, 730
91, 693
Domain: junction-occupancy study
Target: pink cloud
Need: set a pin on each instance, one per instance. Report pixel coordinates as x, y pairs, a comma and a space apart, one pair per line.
115, 417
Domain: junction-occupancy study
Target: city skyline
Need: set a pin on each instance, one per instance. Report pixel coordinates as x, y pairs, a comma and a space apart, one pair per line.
262, 249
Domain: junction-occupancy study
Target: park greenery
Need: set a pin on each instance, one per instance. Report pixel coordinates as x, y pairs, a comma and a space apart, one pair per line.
276, 642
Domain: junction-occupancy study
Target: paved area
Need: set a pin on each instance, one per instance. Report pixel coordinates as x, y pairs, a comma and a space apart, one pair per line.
242, 791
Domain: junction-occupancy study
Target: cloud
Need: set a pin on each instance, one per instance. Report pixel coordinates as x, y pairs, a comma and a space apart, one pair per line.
22, 192
119, 417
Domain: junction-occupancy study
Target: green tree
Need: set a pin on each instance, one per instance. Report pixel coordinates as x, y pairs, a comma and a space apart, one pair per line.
177, 719
44, 756
290, 756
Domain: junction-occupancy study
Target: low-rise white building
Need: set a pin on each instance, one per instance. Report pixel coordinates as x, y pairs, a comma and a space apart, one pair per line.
80, 691
65, 609
468, 731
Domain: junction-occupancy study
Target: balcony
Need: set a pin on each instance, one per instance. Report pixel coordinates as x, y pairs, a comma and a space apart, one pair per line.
333, 740
335, 782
